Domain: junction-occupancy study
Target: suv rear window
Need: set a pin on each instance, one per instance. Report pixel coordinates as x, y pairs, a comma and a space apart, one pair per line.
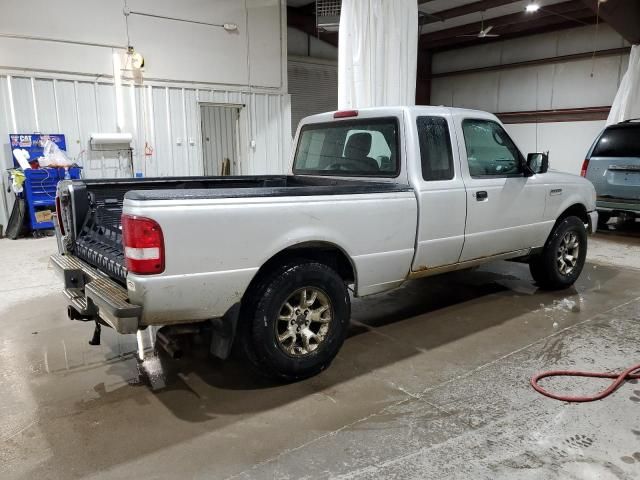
619, 141
363, 148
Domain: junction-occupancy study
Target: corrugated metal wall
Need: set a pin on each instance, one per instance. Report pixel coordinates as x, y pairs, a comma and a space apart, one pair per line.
164, 122
313, 88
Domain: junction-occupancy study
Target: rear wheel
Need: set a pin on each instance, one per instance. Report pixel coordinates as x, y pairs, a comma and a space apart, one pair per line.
295, 320
561, 262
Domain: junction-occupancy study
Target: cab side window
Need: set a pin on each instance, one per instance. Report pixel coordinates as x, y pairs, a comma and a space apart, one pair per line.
435, 148
490, 151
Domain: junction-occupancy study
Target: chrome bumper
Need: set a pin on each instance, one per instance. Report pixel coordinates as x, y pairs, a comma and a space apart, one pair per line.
94, 295
593, 221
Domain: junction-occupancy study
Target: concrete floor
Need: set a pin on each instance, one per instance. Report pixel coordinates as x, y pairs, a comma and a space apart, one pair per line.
432, 383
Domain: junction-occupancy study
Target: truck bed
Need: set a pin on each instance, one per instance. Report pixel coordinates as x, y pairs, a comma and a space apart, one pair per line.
97, 205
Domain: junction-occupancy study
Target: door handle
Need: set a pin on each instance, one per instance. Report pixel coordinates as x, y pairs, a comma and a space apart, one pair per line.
481, 195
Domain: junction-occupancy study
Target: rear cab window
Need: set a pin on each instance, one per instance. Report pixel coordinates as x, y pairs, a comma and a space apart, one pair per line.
622, 140
435, 148
362, 148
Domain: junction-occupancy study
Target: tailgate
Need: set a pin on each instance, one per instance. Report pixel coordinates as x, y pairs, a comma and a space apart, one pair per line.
615, 177
98, 239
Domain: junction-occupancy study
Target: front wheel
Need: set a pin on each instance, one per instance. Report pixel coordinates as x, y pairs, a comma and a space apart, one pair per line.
562, 259
295, 320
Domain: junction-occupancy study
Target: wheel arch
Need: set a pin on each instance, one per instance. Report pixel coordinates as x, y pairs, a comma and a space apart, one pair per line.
574, 210
321, 251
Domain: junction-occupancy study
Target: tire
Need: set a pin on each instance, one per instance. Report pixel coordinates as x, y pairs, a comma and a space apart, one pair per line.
562, 259
283, 335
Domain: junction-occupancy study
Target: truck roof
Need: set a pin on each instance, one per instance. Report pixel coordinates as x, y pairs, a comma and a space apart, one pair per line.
394, 110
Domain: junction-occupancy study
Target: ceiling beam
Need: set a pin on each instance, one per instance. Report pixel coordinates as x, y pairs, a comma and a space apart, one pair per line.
622, 15
513, 18
474, 7
538, 61
571, 13
544, 25
562, 115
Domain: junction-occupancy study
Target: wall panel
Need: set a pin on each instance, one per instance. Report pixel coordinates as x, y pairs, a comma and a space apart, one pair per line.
567, 142
566, 84
46, 105
165, 119
23, 105
174, 50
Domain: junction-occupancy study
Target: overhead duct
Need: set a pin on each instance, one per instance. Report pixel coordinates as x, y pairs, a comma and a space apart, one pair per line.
328, 15
377, 53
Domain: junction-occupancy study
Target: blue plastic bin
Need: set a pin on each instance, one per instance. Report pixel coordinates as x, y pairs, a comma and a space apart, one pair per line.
40, 192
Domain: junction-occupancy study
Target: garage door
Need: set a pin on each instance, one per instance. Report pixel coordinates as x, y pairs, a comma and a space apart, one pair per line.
313, 88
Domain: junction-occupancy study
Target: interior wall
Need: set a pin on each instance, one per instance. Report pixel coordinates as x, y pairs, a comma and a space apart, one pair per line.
173, 50
301, 44
312, 70
313, 88
567, 142
568, 84
55, 87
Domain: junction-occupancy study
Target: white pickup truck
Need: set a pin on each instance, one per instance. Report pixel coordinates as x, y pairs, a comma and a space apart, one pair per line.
375, 197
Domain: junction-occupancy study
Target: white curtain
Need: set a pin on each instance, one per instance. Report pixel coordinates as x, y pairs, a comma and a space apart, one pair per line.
377, 53
626, 105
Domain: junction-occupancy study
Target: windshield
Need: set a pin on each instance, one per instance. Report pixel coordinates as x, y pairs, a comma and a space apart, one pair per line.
367, 147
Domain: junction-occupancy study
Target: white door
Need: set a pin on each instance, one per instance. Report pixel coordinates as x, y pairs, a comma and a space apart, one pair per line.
505, 208
219, 125
441, 196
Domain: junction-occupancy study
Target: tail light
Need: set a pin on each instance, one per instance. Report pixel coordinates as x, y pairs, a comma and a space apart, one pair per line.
143, 245
585, 165
59, 215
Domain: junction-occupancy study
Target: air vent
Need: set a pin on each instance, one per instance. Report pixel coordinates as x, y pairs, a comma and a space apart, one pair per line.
328, 15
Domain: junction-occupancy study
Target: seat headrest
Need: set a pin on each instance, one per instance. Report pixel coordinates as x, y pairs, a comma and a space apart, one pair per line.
358, 145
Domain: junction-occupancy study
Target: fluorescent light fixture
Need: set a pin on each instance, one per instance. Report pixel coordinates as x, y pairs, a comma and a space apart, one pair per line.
532, 7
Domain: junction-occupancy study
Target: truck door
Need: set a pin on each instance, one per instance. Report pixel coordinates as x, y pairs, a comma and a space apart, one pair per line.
505, 208
441, 195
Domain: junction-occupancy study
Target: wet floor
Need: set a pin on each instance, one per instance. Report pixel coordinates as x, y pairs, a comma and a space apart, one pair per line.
431, 383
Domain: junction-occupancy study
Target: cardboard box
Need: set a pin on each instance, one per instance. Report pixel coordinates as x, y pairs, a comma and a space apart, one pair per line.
44, 216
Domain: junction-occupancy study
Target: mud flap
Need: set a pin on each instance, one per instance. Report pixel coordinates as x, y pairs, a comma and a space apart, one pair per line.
223, 331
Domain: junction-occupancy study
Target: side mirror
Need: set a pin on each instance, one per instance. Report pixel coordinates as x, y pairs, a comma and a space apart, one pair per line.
538, 163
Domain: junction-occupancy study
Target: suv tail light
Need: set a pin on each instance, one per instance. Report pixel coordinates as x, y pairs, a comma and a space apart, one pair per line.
143, 245
585, 165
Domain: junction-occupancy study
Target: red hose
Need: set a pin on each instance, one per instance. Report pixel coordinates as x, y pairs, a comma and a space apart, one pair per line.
620, 378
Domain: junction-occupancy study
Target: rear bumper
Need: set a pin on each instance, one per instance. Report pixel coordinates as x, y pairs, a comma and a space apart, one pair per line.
618, 205
94, 295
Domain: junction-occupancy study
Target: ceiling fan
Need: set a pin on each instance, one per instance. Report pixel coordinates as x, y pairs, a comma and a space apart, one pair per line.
483, 33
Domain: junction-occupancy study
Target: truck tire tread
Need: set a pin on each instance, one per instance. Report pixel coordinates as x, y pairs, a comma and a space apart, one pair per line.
256, 329
543, 267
